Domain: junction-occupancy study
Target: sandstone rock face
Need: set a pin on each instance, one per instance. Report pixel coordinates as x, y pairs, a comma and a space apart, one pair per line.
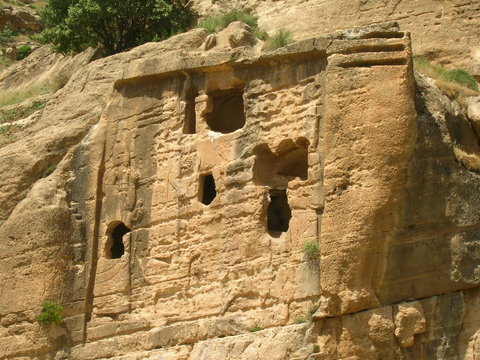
20, 18
213, 201
446, 31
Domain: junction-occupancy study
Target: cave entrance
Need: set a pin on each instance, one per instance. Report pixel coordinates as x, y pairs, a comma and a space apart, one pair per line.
115, 247
208, 191
227, 114
278, 212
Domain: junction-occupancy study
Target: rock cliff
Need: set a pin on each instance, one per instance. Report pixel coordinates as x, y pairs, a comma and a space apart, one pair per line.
443, 30
311, 202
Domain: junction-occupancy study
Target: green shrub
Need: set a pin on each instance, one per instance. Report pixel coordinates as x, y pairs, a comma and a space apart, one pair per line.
23, 52
311, 249
6, 35
217, 23
73, 25
279, 39
51, 311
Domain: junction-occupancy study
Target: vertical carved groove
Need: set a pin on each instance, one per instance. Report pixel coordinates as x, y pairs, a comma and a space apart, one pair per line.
94, 256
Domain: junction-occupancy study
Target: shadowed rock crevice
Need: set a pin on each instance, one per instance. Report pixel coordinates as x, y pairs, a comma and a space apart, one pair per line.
207, 190
115, 247
278, 212
227, 113
276, 169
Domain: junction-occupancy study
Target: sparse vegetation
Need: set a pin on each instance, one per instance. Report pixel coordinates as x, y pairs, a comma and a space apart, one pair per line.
300, 320
48, 170
280, 38
51, 312
17, 96
23, 52
217, 23
260, 34
457, 76
6, 35
254, 329
311, 250
307, 316
20, 112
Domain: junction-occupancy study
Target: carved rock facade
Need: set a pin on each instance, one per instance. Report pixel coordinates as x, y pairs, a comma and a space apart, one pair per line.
178, 227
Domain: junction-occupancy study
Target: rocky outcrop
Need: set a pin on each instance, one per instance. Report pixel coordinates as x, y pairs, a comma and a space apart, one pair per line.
20, 18
213, 201
445, 31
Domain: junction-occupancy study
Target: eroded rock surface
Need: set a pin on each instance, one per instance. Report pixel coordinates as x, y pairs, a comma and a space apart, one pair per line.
213, 201
445, 31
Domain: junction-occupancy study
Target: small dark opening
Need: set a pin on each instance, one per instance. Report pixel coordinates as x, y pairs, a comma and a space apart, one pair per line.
117, 248
278, 212
227, 113
208, 192
190, 124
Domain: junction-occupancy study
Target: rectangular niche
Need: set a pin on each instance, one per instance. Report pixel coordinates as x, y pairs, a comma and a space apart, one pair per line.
227, 112
278, 212
190, 123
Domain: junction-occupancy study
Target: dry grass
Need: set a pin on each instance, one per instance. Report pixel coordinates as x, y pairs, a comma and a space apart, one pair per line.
279, 39
17, 96
456, 84
7, 134
471, 161
455, 92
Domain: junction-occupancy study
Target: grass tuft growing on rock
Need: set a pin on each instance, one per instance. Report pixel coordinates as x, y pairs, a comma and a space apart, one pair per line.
51, 312
280, 38
20, 112
311, 249
254, 329
456, 76
17, 96
217, 23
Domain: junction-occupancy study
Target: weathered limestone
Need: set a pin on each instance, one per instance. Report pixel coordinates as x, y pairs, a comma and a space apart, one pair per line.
187, 182
445, 31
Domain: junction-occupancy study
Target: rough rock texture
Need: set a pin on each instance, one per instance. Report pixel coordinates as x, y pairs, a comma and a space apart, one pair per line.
20, 18
189, 178
446, 31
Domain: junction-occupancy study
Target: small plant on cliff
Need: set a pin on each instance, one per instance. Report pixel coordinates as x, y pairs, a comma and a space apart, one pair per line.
73, 25
279, 39
254, 329
217, 23
456, 76
307, 316
311, 250
23, 52
6, 35
50, 312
